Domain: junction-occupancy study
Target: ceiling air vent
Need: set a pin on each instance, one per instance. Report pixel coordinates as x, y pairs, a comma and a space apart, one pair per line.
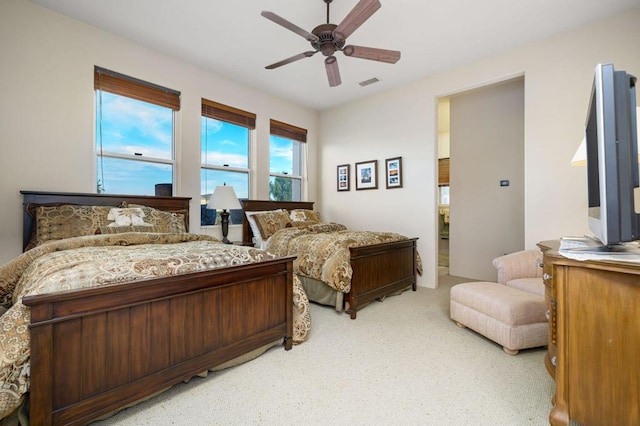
368, 82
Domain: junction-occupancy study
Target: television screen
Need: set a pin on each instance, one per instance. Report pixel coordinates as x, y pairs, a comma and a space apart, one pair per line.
612, 157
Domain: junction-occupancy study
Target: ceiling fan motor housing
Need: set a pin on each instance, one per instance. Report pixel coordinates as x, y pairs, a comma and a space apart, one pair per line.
326, 43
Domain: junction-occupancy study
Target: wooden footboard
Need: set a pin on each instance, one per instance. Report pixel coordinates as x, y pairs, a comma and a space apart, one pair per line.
380, 270
96, 350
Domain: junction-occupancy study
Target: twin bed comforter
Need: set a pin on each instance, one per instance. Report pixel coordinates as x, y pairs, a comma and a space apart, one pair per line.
323, 250
96, 260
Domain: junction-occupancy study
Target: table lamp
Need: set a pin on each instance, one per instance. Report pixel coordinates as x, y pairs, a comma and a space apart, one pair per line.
224, 198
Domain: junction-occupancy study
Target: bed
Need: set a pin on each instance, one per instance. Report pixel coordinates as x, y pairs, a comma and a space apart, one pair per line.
95, 350
377, 270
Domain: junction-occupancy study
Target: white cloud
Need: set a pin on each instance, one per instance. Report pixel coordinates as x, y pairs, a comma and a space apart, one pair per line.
233, 160
136, 120
281, 152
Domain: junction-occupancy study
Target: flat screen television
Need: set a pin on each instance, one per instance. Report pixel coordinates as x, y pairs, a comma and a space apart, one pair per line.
612, 158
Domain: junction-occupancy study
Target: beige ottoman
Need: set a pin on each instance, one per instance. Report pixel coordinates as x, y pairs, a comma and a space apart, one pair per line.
512, 318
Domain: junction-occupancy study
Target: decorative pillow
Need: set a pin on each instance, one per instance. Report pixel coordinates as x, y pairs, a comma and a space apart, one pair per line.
254, 226
319, 226
301, 223
127, 217
168, 222
132, 228
179, 220
327, 227
269, 223
66, 221
175, 219
303, 215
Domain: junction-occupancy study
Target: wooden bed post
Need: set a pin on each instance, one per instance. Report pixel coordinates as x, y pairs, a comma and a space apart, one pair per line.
41, 405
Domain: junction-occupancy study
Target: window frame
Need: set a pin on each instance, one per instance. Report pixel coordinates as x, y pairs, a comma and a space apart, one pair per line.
129, 87
296, 135
231, 115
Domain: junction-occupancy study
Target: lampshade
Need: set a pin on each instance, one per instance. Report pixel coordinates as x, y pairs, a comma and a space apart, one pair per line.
224, 198
580, 157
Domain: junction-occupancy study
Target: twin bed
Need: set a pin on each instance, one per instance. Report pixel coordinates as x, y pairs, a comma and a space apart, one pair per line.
85, 343
339, 267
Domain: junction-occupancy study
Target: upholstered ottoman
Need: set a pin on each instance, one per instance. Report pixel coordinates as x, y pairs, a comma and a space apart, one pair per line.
512, 318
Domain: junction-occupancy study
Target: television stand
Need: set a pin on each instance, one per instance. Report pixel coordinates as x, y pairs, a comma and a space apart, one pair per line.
594, 339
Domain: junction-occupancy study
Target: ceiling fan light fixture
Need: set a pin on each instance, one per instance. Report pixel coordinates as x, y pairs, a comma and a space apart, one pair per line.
328, 50
326, 43
333, 72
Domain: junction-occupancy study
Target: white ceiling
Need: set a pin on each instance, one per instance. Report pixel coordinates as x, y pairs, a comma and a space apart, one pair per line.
231, 39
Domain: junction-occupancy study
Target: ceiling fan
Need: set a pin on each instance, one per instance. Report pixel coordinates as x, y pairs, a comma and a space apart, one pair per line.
329, 38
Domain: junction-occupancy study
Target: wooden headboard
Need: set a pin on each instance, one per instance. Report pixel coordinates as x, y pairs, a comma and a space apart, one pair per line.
34, 198
261, 205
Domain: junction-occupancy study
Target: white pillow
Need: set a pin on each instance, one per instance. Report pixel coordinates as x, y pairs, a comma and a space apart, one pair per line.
126, 217
262, 245
257, 238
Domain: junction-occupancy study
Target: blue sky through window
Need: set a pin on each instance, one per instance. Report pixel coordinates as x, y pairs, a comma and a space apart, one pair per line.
281, 155
226, 145
121, 176
129, 127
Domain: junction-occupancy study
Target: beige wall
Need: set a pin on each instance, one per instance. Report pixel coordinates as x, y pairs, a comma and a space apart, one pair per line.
558, 74
47, 111
487, 146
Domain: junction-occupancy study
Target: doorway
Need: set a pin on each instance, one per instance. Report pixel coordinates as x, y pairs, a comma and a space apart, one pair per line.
485, 150
443, 185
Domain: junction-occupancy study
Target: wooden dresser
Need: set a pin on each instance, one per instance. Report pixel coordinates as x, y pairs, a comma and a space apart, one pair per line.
594, 340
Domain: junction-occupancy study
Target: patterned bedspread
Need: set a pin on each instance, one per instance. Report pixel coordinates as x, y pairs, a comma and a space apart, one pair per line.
96, 260
323, 250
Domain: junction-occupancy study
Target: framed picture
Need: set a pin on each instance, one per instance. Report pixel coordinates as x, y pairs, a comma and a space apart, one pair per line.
343, 177
394, 172
367, 175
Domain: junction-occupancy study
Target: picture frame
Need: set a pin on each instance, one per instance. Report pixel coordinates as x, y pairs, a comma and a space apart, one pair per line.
367, 175
394, 172
343, 178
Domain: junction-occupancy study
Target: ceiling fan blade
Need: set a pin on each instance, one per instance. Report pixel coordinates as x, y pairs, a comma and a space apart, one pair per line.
292, 59
360, 13
288, 25
333, 73
371, 53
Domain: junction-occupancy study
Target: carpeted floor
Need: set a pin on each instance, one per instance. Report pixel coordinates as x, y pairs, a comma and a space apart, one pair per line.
443, 252
401, 362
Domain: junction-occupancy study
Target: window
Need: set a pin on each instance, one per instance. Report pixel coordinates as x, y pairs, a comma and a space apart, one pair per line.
134, 134
443, 192
286, 147
225, 140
